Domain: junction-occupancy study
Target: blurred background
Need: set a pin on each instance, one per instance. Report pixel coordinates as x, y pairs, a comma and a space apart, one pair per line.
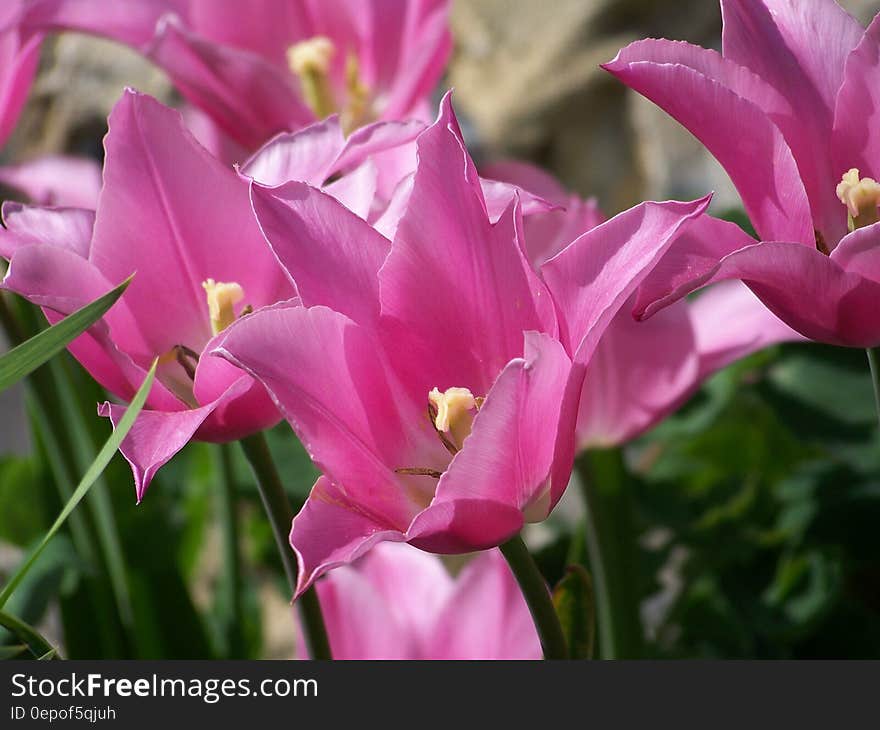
757, 507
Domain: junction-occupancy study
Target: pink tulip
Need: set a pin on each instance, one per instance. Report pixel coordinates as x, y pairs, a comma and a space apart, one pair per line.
434, 379
179, 219
790, 110
265, 66
643, 371
397, 602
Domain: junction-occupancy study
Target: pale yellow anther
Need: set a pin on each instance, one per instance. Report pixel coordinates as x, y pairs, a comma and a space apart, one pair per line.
357, 106
310, 61
456, 408
861, 196
222, 298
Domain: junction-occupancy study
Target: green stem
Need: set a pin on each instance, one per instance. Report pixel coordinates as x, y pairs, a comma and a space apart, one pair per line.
280, 515
874, 365
231, 602
534, 590
611, 546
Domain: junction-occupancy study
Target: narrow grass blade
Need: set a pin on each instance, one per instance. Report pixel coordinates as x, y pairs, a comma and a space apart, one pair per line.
91, 475
27, 634
98, 500
30, 354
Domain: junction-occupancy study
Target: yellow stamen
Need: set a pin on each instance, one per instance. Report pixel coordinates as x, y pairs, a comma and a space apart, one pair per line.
456, 408
861, 196
222, 298
310, 61
356, 112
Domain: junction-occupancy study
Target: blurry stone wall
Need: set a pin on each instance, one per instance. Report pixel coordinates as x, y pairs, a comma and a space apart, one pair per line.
526, 73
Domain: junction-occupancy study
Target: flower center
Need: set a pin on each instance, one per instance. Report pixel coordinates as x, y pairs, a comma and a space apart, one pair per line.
861, 196
453, 413
222, 297
310, 61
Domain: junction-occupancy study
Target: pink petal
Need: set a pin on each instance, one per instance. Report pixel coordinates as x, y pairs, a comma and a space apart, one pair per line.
859, 252
689, 263
373, 139
486, 617
327, 534
312, 234
414, 584
266, 27
548, 232
479, 329
800, 48
308, 155
356, 190
427, 45
55, 180
385, 606
250, 98
251, 410
725, 108
856, 137
592, 278
464, 525
390, 146
359, 619
156, 436
329, 379
25, 225
176, 216
388, 221
639, 373
730, 322
61, 281
133, 22
19, 55
212, 137
809, 291
499, 195
507, 459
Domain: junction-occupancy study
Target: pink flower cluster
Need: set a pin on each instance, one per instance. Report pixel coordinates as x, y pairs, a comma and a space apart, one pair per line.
442, 339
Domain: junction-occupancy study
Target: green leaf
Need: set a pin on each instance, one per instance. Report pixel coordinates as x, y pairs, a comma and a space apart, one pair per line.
27, 634
30, 354
576, 607
91, 475
22, 521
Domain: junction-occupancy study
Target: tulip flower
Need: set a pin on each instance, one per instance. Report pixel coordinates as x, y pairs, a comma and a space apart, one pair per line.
434, 378
266, 66
397, 602
643, 371
181, 221
789, 109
